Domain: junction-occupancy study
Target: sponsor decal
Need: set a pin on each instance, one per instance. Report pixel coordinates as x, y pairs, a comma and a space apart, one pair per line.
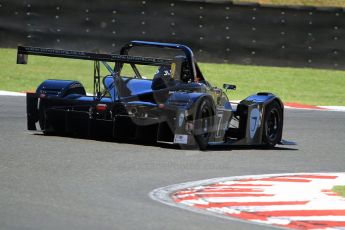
254, 122
181, 139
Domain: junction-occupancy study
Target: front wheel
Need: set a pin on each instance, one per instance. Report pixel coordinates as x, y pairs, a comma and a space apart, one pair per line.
273, 124
203, 123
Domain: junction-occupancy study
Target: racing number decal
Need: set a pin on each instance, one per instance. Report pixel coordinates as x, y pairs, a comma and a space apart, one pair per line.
254, 122
220, 116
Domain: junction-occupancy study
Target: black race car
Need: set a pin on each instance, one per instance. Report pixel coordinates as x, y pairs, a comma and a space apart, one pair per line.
176, 106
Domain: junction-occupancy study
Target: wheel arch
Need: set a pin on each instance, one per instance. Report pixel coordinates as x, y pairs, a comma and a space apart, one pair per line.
199, 108
210, 99
260, 101
60, 88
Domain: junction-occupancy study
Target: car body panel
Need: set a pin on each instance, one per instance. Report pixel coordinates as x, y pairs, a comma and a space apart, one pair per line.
129, 108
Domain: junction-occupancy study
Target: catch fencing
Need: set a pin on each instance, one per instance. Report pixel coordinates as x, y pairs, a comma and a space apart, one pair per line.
217, 31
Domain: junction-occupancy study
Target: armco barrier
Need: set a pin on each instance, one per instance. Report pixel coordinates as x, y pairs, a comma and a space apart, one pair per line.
218, 31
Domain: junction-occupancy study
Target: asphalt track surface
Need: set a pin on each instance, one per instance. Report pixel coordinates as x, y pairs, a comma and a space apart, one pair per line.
49, 182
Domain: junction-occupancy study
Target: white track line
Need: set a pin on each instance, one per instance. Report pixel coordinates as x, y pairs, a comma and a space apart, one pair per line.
8, 93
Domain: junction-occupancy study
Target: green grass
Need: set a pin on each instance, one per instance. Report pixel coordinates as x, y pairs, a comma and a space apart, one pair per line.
303, 85
318, 3
15, 77
339, 189
309, 86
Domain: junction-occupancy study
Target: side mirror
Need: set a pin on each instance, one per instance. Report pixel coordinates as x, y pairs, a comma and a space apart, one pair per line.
228, 86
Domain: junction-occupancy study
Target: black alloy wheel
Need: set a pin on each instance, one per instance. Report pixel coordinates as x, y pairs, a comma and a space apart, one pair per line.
273, 124
203, 123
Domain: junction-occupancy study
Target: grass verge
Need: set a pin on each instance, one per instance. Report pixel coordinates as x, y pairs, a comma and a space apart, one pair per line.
303, 85
339, 190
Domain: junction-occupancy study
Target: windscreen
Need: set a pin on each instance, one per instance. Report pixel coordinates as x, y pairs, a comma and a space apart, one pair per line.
138, 71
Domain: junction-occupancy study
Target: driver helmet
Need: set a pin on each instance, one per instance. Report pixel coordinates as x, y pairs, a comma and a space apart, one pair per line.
162, 78
164, 72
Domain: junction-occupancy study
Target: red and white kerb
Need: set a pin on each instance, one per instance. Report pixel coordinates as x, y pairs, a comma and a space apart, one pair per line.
296, 201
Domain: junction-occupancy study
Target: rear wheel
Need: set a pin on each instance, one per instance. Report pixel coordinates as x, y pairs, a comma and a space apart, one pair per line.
46, 129
203, 123
273, 124
42, 117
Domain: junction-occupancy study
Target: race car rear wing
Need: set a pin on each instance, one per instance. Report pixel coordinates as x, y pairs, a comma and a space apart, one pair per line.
192, 68
24, 51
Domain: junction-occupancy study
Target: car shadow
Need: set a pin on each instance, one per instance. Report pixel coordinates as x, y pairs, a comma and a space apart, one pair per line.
220, 147
247, 147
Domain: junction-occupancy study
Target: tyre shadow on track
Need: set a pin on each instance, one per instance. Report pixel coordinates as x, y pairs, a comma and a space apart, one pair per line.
246, 147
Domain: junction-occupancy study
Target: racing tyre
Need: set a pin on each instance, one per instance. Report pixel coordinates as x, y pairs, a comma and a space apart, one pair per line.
273, 125
203, 123
41, 120
42, 124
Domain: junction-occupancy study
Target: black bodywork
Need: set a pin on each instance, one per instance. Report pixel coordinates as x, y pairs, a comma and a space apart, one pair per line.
187, 110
